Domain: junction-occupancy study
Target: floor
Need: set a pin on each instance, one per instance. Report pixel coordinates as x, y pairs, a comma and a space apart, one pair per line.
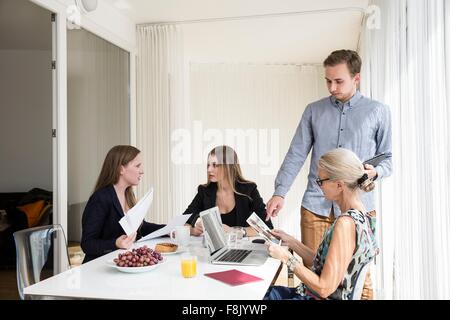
8, 280
8, 285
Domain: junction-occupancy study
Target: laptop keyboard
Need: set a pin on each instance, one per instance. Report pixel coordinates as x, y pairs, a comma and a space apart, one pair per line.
234, 255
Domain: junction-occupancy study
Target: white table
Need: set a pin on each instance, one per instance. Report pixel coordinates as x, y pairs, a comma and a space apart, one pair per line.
97, 280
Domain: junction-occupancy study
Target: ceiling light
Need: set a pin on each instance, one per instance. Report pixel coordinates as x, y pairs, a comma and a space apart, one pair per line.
87, 6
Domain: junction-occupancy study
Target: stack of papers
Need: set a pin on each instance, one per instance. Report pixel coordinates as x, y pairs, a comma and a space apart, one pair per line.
134, 217
179, 220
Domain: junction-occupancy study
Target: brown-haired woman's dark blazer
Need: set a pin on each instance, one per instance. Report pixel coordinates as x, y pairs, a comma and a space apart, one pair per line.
100, 224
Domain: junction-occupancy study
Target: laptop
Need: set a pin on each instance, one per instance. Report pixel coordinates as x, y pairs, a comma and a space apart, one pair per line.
220, 253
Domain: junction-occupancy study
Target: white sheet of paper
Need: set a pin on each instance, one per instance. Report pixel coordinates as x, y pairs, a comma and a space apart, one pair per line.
178, 220
134, 217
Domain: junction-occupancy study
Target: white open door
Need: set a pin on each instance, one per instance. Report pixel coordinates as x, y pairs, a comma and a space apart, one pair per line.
60, 253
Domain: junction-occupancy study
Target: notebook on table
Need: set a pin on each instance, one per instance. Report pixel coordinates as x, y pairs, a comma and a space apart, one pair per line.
233, 277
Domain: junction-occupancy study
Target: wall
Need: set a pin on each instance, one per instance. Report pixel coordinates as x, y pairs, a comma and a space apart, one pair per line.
25, 120
255, 109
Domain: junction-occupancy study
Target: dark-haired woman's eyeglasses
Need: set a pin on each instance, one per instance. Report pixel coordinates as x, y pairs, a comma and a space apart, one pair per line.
320, 181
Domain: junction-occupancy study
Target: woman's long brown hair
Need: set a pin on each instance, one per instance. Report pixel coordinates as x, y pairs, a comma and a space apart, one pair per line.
229, 162
110, 173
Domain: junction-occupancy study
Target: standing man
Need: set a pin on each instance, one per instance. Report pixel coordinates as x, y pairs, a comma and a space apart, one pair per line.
345, 119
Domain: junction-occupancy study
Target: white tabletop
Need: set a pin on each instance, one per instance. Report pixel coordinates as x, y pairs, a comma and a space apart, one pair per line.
97, 280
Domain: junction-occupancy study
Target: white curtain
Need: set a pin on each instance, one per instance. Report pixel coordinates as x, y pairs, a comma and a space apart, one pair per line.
406, 65
255, 109
160, 110
98, 114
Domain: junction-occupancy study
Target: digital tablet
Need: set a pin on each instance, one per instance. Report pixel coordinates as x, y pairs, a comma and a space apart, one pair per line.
263, 230
376, 160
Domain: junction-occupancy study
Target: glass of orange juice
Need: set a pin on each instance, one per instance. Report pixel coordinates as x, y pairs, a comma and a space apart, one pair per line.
188, 265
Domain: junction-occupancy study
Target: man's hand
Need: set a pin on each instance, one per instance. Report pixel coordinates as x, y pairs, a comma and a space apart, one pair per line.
274, 206
370, 170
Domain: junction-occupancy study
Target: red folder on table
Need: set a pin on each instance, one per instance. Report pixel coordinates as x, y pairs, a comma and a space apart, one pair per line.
233, 277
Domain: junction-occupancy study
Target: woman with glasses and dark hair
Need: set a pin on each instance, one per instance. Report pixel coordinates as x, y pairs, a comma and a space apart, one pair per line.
346, 247
226, 188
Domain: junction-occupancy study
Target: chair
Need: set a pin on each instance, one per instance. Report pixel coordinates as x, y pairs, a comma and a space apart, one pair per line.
361, 278
35, 254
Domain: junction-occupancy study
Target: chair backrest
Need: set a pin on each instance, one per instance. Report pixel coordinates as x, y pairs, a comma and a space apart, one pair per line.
41, 253
361, 278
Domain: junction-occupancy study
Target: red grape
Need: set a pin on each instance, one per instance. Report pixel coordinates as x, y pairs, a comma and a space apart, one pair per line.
138, 257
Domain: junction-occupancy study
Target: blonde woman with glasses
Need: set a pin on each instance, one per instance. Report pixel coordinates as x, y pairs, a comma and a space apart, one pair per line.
347, 246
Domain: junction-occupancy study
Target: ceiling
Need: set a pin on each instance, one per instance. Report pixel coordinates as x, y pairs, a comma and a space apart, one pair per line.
270, 31
283, 34
150, 11
279, 40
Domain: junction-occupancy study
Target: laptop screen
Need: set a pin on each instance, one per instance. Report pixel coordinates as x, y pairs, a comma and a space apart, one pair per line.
212, 224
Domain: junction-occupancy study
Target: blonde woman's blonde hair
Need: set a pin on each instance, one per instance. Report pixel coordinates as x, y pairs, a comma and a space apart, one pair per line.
342, 164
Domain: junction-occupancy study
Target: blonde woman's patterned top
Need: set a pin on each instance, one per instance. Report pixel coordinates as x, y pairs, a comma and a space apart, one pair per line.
366, 249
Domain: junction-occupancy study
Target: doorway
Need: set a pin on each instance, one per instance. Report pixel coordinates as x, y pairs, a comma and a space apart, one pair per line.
26, 123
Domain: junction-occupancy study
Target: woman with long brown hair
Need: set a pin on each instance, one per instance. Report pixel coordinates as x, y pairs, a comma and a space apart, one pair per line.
236, 197
113, 196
